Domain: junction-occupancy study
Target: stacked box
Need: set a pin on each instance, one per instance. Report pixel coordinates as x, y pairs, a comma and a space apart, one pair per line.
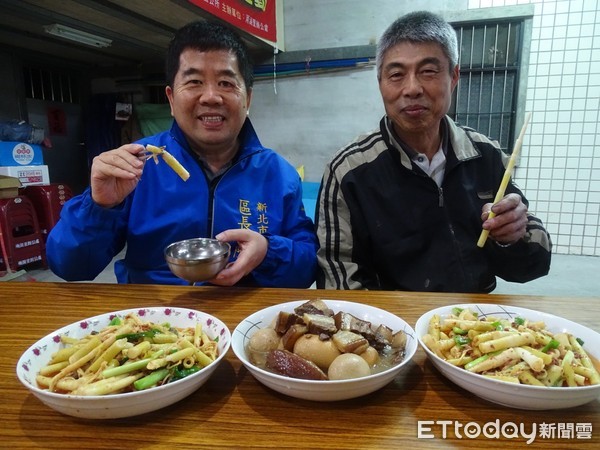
9, 187
27, 175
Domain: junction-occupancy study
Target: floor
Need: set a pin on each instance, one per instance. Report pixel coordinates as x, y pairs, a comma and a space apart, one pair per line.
569, 276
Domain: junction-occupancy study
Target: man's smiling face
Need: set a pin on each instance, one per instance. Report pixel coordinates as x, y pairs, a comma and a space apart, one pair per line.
209, 100
416, 85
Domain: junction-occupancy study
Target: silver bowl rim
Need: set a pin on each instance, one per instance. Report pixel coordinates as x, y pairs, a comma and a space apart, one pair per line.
183, 261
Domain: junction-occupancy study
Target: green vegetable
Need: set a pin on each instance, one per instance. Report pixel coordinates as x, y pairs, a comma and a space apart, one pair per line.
477, 361
461, 340
481, 359
131, 337
550, 345
182, 372
460, 331
126, 368
150, 380
519, 321
497, 325
116, 321
580, 341
456, 311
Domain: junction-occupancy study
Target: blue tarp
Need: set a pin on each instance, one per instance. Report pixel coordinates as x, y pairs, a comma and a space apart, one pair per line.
310, 191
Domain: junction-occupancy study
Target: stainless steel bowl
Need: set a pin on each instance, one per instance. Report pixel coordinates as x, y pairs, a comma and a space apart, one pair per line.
197, 259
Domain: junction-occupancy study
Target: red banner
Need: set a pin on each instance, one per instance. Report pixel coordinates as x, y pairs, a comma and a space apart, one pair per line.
257, 17
57, 121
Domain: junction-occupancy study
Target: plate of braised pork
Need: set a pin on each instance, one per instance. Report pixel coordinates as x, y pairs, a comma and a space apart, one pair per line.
324, 350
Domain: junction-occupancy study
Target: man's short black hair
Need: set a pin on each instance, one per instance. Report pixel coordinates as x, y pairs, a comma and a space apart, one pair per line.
206, 36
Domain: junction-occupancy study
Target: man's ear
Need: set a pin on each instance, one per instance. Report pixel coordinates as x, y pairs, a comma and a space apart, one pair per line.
169, 93
455, 76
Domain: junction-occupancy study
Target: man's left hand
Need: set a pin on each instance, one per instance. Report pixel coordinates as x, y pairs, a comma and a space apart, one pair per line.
253, 249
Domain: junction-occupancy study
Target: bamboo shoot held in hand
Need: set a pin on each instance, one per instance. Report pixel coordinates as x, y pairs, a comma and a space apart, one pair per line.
169, 159
505, 179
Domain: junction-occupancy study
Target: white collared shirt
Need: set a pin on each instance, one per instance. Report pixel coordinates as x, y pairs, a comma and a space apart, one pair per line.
436, 168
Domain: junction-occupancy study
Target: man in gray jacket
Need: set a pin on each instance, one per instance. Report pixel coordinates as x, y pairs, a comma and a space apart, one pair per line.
402, 208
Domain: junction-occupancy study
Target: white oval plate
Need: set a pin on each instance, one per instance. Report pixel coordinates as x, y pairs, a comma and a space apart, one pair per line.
513, 395
323, 390
130, 403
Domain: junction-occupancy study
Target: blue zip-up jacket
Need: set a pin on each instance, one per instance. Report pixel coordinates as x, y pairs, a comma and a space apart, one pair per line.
261, 191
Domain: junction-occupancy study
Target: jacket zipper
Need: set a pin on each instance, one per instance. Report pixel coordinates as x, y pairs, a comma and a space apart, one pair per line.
211, 200
455, 242
212, 187
441, 205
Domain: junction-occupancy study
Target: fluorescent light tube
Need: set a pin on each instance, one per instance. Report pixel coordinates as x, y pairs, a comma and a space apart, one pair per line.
77, 35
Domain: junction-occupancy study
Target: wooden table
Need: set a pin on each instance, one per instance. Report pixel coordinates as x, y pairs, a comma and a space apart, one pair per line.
233, 410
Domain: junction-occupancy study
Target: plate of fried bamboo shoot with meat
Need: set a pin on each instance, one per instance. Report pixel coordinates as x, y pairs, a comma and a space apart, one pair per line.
516, 357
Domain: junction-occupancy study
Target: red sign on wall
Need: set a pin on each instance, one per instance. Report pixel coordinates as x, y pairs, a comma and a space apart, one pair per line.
257, 17
57, 122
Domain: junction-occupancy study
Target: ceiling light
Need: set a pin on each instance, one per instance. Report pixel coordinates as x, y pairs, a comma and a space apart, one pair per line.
77, 35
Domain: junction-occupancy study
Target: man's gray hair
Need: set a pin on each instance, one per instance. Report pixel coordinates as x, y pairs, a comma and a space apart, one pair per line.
417, 27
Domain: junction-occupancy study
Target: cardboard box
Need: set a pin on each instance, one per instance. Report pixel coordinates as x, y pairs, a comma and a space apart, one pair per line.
20, 154
27, 175
9, 187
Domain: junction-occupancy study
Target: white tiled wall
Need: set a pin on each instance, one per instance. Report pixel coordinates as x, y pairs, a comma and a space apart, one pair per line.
560, 162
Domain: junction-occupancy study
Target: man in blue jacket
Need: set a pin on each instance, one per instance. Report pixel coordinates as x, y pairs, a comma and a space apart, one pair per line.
238, 191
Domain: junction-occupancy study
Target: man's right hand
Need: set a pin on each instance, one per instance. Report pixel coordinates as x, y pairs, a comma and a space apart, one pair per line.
115, 174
